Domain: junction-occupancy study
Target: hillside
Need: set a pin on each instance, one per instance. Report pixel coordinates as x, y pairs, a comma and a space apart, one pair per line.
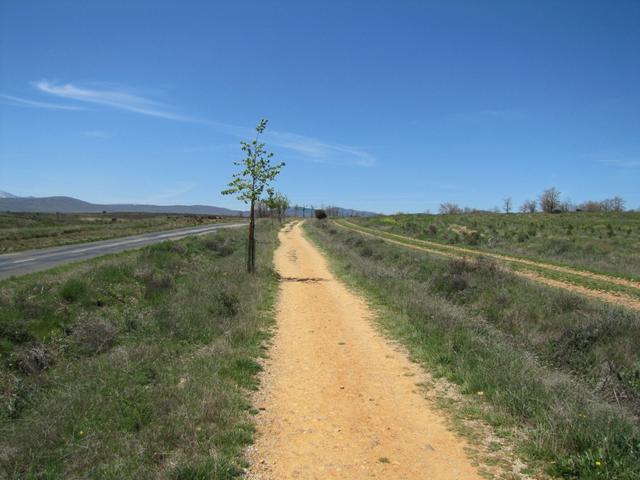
64, 204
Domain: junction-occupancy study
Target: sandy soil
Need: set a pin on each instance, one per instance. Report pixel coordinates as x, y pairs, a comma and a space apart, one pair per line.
610, 296
338, 400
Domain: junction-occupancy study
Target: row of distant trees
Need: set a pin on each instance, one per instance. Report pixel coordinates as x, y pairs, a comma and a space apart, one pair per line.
275, 206
310, 211
549, 201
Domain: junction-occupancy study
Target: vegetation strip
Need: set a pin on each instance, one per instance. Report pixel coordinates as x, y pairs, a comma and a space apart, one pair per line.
137, 365
560, 370
529, 269
605, 278
28, 231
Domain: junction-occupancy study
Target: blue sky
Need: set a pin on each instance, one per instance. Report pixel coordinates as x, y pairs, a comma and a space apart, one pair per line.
386, 106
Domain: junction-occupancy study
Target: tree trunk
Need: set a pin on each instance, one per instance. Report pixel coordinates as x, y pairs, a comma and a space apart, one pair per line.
251, 247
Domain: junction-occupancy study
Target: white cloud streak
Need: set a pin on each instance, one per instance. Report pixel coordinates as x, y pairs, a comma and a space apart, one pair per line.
621, 163
25, 102
112, 98
321, 152
170, 193
310, 149
99, 134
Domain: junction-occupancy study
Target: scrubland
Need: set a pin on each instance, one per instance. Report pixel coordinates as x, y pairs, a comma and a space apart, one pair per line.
136, 365
607, 242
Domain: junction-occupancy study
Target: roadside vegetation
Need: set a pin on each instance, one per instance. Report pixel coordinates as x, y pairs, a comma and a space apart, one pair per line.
137, 365
26, 231
603, 242
558, 372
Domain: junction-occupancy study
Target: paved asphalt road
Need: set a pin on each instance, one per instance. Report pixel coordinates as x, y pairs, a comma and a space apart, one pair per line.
20, 263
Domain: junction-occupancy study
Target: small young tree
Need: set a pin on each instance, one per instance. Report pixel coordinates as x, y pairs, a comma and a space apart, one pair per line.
507, 205
279, 204
250, 183
529, 206
449, 208
550, 200
615, 204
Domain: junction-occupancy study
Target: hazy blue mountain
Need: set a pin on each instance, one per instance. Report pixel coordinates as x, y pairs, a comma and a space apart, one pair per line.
62, 204
73, 205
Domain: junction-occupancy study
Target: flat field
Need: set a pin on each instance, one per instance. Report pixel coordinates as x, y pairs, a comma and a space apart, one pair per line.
26, 231
601, 242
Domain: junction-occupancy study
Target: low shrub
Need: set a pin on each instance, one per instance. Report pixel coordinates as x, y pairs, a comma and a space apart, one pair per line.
94, 335
32, 358
74, 290
223, 246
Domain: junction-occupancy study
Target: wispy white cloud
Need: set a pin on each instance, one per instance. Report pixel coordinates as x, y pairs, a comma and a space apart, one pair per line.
622, 163
309, 148
186, 149
99, 134
322, 152
170, 193
25, 102
119, 99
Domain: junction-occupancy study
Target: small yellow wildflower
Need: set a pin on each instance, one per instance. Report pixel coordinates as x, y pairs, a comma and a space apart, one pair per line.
81, 433
598, 463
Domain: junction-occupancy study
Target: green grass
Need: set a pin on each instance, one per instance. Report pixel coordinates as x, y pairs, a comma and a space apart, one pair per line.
561, 370
26, 231
573, 276
137, 365
600, 242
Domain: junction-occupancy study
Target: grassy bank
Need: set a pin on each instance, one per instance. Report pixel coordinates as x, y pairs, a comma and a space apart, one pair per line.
611, 288
136, 365
602, 242
26, 231
560, 369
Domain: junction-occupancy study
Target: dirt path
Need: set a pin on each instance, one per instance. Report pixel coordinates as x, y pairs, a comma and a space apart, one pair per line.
610, 296
338, 401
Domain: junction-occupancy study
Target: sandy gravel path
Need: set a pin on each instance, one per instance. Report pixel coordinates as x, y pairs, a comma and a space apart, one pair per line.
338, 400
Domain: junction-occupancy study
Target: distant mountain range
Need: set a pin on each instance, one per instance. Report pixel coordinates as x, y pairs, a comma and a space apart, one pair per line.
13, 203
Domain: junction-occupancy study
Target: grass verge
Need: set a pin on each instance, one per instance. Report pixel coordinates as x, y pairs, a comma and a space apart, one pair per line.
605, 242
598, 283
560, 369
27, 231
137, 365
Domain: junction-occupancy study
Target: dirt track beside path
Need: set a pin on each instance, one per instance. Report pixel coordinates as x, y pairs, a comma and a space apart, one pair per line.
537, 276
338, 401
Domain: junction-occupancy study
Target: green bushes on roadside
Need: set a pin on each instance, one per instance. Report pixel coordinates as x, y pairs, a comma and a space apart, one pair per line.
136, 365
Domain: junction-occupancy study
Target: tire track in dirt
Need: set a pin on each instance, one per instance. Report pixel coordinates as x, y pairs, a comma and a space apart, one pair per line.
458, 252
523, 261
338, 401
